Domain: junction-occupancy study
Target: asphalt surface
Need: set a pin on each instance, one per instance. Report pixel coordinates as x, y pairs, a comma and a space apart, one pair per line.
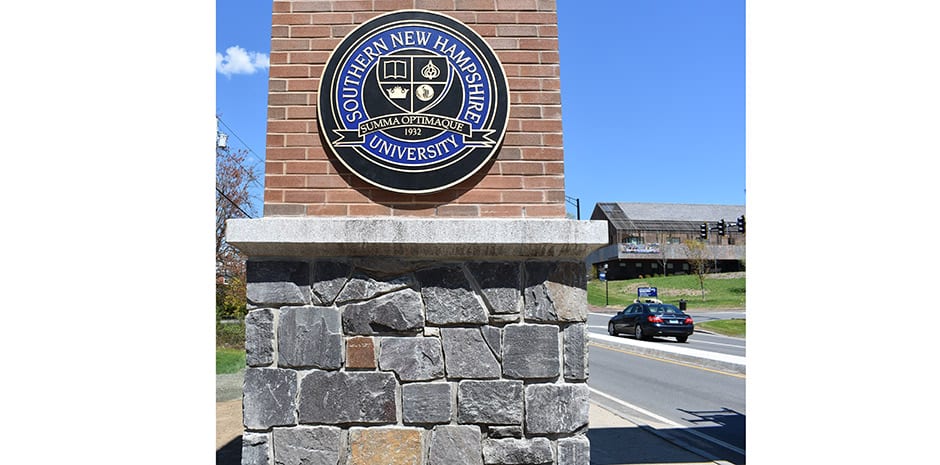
705, 406
702, 340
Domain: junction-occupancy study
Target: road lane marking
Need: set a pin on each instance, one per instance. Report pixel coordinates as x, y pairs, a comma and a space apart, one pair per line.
721, 336
697, 340
634, 407
668, 421
673, 348
602, 346
718, 344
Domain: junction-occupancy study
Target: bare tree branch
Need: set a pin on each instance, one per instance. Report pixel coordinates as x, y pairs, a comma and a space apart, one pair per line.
698, 255
232, 201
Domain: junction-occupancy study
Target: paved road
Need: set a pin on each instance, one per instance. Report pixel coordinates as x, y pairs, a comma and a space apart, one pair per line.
716, 315
703, 407
597, 324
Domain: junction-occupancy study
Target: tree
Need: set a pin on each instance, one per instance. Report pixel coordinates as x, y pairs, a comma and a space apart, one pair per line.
232, 200
697, 254
663, 258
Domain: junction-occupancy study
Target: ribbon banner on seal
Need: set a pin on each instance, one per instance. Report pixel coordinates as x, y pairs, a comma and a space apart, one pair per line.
474, 137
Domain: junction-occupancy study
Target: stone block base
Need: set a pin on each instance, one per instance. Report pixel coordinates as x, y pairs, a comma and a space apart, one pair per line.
424, 360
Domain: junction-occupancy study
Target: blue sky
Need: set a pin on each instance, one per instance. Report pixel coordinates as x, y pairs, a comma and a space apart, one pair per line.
653, 92
653, 101
243, 46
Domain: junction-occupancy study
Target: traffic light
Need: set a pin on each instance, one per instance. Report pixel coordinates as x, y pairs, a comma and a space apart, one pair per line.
721, 228
741, 224
703, 231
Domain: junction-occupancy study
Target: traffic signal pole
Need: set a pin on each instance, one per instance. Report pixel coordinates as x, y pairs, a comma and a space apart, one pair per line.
606, 287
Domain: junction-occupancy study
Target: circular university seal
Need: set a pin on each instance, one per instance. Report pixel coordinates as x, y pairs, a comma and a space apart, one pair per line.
413, 102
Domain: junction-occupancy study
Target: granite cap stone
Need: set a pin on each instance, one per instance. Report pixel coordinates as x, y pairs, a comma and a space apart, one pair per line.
416, 237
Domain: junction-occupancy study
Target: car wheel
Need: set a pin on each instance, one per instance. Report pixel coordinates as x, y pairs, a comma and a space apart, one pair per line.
611, 330
638, 332
682, 338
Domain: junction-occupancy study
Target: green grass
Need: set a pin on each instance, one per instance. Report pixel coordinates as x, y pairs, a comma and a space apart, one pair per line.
721, 292
735, 328
229, 360
229, 347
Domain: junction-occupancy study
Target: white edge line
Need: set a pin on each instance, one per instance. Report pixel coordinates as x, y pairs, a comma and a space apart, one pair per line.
634, 407
727, 358
719, 344
668, 421
699, 341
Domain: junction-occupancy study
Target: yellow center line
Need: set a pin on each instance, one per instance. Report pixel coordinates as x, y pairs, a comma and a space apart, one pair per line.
650, 357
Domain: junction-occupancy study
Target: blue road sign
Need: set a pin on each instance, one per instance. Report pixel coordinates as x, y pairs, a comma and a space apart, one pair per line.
646, 292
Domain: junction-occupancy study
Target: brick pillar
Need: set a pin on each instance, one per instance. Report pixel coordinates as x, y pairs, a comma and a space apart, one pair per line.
395, 323
526, 179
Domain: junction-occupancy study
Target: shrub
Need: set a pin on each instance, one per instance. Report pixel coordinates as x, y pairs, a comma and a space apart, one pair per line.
230, 335
230, 299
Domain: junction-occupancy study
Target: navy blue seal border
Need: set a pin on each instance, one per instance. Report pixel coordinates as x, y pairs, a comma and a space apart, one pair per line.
342, 55
353, 40
429, 178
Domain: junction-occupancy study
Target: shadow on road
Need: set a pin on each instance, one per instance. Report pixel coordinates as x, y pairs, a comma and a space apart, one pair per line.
633, 446
724, 417
732, 425
230, 454
616, 446
644, 444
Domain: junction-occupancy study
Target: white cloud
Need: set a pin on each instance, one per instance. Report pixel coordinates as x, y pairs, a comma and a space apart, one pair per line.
239, 61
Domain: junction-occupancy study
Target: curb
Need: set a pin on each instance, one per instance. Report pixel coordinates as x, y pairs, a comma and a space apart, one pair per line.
721, 362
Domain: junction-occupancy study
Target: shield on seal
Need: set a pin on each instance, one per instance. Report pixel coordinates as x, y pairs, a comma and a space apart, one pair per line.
413, 83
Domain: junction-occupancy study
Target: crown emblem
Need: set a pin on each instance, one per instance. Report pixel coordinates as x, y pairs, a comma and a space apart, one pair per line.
397, 92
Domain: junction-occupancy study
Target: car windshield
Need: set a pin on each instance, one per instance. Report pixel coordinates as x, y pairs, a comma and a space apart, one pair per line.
663, 308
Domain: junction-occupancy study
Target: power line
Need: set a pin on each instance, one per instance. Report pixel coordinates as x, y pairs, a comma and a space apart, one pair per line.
249, 172
252, 152
251, 175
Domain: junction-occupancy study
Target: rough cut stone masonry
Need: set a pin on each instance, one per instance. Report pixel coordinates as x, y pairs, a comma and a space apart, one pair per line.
422, 363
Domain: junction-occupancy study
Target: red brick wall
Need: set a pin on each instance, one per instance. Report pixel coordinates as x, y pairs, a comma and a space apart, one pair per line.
527, 177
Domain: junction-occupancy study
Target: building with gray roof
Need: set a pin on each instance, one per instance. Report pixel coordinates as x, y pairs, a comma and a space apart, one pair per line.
645, 239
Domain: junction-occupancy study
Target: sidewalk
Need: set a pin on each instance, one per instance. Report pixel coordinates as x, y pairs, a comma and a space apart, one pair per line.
614, 440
